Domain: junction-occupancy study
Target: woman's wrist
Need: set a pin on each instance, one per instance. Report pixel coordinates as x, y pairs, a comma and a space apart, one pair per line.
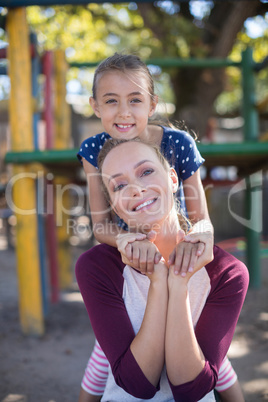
178, 284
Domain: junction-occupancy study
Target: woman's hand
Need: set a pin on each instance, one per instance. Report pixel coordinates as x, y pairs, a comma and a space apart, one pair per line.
139, 251
160, 273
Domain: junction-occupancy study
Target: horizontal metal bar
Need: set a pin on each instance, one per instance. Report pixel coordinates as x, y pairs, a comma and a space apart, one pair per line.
69, 155
176, 62
24, 3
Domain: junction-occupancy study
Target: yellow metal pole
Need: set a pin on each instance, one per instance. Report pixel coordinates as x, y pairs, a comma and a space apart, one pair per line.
63, 205
62, 140
24, 192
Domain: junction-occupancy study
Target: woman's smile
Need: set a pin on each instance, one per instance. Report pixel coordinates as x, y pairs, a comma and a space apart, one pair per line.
145, 204
140, 192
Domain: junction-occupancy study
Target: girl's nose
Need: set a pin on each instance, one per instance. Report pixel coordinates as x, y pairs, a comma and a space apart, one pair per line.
124, 110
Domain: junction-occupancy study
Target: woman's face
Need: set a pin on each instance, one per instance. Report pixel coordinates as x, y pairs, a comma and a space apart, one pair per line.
140, 187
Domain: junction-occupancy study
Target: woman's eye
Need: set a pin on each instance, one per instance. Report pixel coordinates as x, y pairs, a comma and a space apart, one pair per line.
147, 172
110, 101
118, 187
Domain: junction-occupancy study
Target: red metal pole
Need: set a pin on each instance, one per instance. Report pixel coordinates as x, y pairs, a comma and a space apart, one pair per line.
51, 237
48, 110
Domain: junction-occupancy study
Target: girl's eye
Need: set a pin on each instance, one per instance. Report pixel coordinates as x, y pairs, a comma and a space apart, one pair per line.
135, 100
110, 101
146, 172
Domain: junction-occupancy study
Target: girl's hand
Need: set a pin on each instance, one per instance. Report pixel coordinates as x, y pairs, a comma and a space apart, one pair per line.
138, 251
193, 253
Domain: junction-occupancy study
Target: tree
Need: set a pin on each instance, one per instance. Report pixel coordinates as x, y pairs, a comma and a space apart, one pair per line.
212, 36
155, 30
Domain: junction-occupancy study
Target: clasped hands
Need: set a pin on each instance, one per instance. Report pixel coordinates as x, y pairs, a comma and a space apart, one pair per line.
190, 254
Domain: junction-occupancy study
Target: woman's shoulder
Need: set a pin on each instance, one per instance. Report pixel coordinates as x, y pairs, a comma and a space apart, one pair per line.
98, 260
228, 267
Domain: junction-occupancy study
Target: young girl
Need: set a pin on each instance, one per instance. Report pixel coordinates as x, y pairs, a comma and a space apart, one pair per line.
165, 335
123, 98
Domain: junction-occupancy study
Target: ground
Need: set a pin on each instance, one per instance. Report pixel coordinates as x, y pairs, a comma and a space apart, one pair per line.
50, 368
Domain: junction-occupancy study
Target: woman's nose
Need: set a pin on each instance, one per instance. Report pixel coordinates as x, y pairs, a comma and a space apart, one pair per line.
137, 190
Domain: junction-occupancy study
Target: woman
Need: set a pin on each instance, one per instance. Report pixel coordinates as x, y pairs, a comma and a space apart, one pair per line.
165, 335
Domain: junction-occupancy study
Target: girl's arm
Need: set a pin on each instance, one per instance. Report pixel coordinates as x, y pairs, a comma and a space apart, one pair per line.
105, 231
184, 256
195, 199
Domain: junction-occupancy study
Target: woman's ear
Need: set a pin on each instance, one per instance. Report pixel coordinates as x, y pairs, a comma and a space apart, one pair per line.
174, 180
94, 106
154, 102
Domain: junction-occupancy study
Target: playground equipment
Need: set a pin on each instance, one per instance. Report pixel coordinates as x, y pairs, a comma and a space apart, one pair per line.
249, 156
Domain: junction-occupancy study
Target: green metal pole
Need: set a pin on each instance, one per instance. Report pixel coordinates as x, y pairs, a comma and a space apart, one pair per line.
253, 197
254, 227
250, 113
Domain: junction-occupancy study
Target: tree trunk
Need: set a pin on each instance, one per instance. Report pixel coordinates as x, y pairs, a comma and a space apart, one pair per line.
196, 89
210, 82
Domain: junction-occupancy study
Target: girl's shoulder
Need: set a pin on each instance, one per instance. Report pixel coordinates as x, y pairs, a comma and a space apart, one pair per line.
176, 138
90, 148
170, 132
98, 139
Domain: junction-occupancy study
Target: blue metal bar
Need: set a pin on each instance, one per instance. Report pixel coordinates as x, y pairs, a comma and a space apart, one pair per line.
24, 3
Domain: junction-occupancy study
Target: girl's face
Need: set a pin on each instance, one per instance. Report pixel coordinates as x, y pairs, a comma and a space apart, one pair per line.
123, 104
140, 187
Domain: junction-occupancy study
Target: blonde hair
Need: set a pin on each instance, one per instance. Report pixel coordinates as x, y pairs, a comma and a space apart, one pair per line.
123, 63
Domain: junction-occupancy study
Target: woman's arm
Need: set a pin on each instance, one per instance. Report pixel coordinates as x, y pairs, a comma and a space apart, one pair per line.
105, 231
136, 359
148, 347
184, 358
227, 279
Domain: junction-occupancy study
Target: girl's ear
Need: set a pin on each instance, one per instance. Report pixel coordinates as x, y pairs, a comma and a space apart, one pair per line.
154, 102
94, 106
174, 180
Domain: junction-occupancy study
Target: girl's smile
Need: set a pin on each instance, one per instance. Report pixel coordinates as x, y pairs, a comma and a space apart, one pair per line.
123, 105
